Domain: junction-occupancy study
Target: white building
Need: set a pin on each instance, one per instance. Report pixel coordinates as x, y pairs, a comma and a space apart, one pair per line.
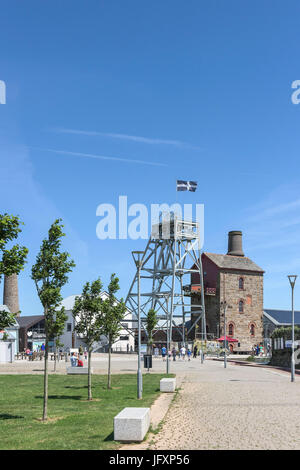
9, 346
70, 339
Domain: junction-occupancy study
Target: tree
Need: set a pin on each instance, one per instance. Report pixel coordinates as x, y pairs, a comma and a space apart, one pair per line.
87, 313
12, 260
7, 319
113, 313
50, 275
151, 322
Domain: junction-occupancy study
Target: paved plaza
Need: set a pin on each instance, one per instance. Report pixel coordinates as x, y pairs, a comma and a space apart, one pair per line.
121, 364
241, 407
235, 408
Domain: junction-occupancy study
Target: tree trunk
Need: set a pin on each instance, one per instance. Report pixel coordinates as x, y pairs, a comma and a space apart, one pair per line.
55, 356
109, 361
89, 374
45, 406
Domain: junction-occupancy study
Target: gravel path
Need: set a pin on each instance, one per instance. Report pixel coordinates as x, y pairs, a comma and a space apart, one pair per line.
233, 408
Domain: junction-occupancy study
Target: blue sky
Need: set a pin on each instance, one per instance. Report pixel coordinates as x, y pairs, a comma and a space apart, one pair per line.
202, 88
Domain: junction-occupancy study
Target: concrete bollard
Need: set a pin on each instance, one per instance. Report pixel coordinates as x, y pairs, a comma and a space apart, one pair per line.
131, 424
168, 385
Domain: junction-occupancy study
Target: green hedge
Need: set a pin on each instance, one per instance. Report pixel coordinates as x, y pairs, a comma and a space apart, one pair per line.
286, 332
282, 357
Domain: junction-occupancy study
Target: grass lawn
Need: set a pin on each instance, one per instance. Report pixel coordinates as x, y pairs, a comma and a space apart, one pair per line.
74, 422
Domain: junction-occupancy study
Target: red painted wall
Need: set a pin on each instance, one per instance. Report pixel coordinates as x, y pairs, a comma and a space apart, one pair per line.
211, 270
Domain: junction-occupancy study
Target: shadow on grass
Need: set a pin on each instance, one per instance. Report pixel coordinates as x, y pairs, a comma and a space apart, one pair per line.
77, 386
61, 397
110, 437
6, 416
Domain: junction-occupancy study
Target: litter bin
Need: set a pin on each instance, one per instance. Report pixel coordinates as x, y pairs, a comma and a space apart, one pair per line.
148, 361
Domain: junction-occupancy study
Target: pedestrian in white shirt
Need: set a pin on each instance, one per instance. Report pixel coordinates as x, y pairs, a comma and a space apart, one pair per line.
183, 351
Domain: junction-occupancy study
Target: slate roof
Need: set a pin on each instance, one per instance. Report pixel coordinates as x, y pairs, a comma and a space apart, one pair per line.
282, 317
240, 263
28, 321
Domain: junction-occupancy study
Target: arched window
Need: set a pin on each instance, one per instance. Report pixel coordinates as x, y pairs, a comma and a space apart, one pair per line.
230, 329
241, 283
252, 329
241, 306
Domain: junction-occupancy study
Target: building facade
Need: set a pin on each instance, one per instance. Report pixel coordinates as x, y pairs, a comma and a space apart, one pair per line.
70, 339
273, 319
236, 279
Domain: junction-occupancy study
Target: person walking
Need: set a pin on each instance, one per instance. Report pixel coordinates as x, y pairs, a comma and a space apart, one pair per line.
195, 351
183, 351
189, 353
174, 353
164, 353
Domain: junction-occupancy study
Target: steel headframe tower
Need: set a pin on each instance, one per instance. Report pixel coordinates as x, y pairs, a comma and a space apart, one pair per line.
171, 256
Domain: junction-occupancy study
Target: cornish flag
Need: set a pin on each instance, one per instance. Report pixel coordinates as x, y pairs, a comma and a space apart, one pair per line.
186, 185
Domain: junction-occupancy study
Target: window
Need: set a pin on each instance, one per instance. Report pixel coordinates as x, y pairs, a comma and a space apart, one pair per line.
125, 325
230, 329
241, 283
124, 338
252, 329
241, 306
69, 326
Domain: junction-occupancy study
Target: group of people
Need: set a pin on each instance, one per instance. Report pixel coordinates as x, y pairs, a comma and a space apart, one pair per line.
182, 353
38, 349
76, 358
258, 350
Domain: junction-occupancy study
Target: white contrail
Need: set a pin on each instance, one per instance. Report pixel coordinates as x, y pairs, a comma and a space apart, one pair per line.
132, 138
100, 157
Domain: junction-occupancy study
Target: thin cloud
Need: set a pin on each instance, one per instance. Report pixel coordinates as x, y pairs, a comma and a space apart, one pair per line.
131, 138
279, 209
100, 157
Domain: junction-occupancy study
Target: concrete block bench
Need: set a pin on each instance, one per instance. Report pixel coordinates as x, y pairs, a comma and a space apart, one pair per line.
168, 385
78, 370
131, 424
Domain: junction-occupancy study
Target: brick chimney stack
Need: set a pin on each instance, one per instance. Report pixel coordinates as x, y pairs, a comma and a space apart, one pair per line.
11, 293
235, 243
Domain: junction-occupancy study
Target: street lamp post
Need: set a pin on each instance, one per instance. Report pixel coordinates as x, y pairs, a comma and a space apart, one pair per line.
137, 256
168, 336
225, 306
292, 279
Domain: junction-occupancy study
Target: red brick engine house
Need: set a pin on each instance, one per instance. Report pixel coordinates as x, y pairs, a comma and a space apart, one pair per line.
236, 279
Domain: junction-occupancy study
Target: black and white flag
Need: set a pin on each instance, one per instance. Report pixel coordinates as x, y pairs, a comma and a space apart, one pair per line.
186, 185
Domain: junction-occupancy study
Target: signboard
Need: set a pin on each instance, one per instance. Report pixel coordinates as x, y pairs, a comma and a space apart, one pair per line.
288, 343
143, 349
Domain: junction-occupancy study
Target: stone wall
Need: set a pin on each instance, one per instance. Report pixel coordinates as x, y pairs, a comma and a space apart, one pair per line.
252, 296
227, 288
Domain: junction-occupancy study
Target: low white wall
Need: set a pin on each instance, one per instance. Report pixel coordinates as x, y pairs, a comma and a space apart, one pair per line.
7, 351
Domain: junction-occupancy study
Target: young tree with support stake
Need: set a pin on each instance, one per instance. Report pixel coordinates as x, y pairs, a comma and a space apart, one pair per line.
113, 313
50, 275
87, 313
12, 260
